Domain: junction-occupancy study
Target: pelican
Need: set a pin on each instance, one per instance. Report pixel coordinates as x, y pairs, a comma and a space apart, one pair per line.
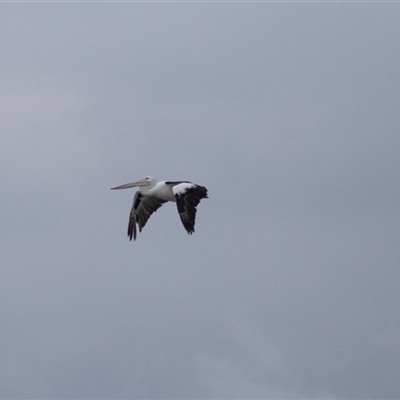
152, 195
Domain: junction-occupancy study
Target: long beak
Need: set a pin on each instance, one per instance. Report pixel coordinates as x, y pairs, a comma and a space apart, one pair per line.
140, 182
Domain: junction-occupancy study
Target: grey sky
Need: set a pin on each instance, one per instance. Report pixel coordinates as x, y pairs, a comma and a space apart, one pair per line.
287, 113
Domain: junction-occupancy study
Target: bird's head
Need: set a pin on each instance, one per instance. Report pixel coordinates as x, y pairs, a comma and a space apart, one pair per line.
146, 181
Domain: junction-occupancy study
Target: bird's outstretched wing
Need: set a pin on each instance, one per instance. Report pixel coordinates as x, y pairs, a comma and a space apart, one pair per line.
142, 208
188, 196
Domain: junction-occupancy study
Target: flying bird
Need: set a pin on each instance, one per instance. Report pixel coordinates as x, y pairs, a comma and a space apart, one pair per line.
152, 195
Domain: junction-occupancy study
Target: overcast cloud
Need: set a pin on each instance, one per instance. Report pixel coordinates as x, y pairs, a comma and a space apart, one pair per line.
288, 113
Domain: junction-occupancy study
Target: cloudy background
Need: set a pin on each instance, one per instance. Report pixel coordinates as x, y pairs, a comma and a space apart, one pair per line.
287, 113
